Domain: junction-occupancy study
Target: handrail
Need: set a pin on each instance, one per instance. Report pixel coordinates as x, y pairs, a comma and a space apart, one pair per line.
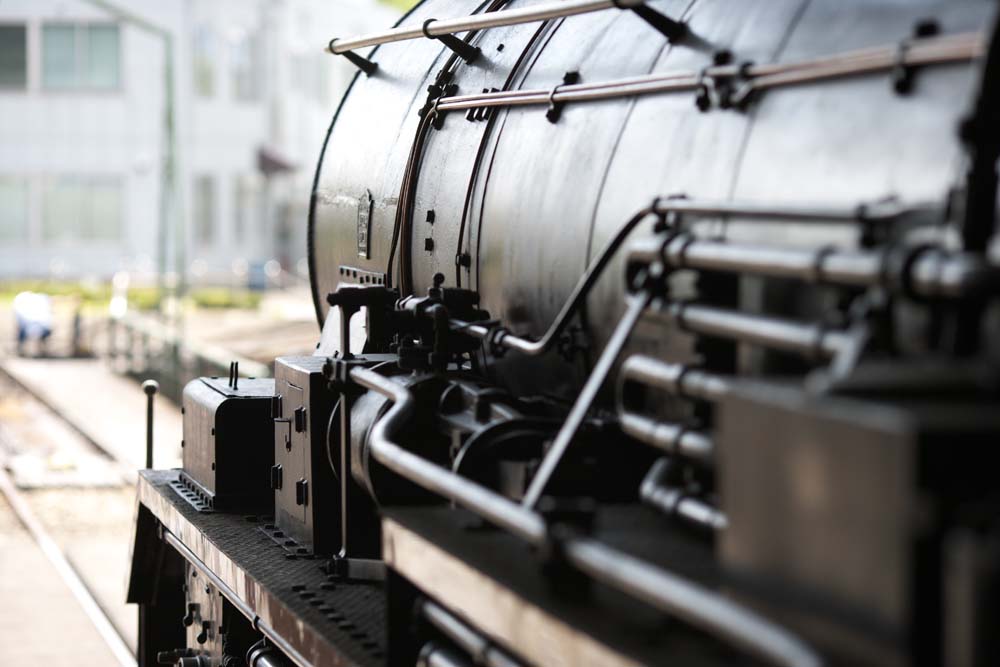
434, 28
748, 78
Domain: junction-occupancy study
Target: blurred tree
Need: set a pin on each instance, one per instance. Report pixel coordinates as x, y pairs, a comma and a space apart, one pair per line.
401, 5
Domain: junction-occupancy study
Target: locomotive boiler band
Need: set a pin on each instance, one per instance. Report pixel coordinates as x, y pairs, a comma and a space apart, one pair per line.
698, 367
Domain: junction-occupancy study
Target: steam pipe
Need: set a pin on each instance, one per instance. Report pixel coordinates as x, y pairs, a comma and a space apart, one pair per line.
506, 339
669, 593
433, 655
810, 340
671, 438
677, 379
673, 501
931, 273
483, 652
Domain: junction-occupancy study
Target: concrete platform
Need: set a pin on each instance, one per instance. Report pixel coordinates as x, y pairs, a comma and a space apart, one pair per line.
41, 622
107, 409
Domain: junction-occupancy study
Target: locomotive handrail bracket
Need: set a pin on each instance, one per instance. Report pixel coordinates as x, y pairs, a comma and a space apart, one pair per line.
260, 580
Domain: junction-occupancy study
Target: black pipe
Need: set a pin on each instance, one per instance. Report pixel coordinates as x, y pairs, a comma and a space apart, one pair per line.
150, 387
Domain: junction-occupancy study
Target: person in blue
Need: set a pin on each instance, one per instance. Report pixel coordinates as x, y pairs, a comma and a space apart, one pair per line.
33, 316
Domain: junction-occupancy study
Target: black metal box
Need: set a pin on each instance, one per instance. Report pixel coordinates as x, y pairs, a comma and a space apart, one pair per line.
305, 487
228, 443
840, 509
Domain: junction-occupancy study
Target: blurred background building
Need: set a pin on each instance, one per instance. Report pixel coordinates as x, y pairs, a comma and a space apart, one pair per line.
165, 135
145, 146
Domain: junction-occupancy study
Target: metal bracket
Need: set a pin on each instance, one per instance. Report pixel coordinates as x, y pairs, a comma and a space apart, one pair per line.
362, 63
555, 108
666, 26
902, 73
465, 51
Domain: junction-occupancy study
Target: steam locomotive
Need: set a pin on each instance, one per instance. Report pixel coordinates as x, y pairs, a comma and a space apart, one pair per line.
651, 333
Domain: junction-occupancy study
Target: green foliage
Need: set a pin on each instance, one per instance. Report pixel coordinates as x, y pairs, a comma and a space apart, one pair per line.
401, 5
224, 297
89, 294
98, 295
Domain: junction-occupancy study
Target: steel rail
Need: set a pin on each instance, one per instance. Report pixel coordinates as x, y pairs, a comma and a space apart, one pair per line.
947, 49
50, 549
683, 599
499, 19
242, 605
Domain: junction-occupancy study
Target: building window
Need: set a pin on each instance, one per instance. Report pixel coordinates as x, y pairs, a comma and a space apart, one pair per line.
80, 57
245, 62
246, 207
77, 208
203, 209
13, 57
13, 209
311, 77
203, 58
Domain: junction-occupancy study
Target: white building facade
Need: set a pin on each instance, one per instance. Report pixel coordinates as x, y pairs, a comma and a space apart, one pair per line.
83, 131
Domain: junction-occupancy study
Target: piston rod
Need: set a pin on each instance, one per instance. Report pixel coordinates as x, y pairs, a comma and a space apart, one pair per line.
667, 592
542, 12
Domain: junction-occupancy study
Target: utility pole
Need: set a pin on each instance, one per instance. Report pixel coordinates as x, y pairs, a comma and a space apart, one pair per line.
168, 205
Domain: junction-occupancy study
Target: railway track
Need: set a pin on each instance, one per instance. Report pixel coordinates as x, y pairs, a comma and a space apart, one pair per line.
67, 573
48, 507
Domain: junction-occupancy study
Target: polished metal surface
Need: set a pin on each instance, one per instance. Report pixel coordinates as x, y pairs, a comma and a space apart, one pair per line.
789, 173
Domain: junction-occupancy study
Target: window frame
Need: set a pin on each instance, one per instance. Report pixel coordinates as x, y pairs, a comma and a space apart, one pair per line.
81, 55
200, 239
24, 181
26, 26
87, 184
